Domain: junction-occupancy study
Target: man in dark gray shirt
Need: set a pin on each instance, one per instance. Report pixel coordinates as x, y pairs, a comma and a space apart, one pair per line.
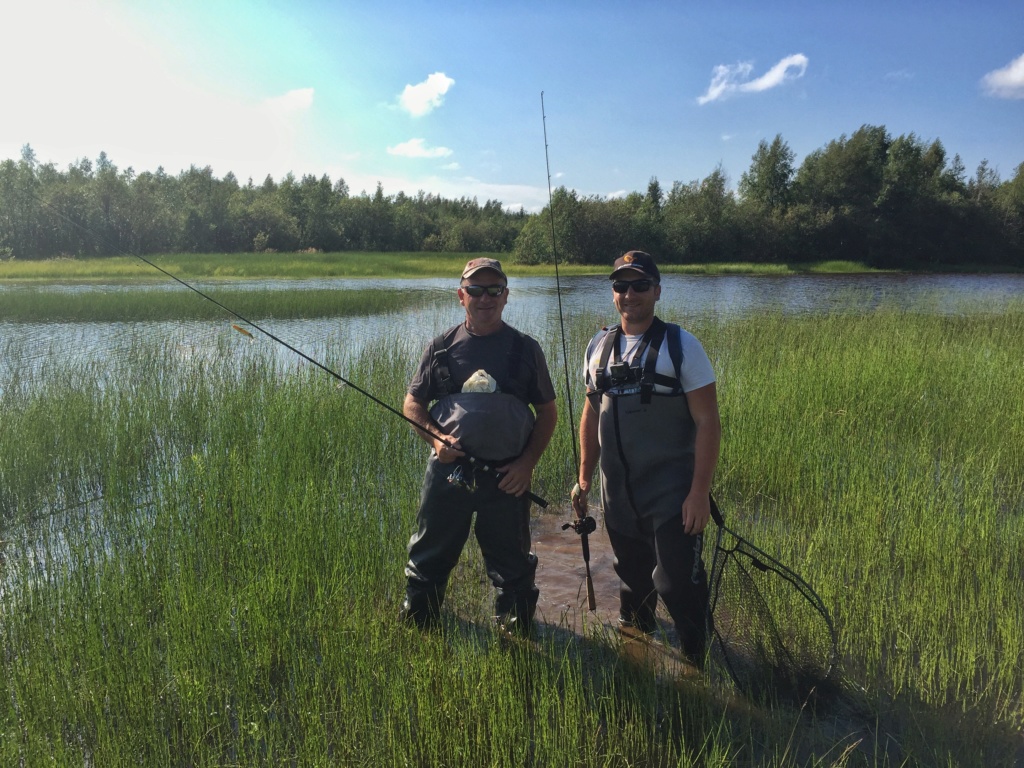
507, 422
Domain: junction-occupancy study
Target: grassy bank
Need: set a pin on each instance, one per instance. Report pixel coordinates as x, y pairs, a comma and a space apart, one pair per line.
347, 265
37, 304
202, 562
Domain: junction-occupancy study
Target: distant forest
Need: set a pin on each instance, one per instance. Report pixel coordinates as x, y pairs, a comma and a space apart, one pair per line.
868, 197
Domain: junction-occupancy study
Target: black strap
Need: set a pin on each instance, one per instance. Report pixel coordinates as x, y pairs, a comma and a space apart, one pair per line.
647, 376
610, 341
716, 514
650, 344
444, 376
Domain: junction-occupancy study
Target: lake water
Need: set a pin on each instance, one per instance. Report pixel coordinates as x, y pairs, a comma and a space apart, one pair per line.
533, 306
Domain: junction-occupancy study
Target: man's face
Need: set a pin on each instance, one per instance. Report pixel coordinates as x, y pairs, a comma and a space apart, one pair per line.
484, 310
634, 306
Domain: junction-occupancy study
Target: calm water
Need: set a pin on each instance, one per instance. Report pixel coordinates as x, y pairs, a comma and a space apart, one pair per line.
533, 306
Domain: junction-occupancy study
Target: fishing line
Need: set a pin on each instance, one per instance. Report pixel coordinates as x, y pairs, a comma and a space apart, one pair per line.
558, 290
585, 525
472, 460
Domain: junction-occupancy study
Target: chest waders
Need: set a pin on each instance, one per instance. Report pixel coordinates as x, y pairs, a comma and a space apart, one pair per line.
646, 438
647, 444
496, 427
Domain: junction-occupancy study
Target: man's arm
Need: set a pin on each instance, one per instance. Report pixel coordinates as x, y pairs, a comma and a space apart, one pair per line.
519, 473
703, 403
590, 452
416, 410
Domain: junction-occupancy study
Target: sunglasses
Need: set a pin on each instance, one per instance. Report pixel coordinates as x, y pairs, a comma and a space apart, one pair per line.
638, 286
476, 291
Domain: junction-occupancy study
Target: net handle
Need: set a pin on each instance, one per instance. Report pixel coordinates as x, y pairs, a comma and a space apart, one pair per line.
716, 514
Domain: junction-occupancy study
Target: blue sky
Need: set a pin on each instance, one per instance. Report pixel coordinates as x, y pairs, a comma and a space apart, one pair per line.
446, 97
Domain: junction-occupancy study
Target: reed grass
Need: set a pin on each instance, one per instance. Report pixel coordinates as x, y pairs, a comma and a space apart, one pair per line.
348, 264
45, 305
201, 561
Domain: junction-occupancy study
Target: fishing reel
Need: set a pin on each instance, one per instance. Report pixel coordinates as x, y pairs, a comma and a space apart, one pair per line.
582, 525
459, 477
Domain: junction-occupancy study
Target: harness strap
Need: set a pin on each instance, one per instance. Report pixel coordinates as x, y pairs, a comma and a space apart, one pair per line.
444, 376
646, 375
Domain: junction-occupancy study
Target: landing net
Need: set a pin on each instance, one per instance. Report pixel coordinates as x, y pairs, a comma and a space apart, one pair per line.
771, 632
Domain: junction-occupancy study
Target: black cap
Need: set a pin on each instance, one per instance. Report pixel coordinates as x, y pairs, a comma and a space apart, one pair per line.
639, 262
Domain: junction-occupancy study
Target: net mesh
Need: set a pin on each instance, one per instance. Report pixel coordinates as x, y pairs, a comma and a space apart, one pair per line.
770, 632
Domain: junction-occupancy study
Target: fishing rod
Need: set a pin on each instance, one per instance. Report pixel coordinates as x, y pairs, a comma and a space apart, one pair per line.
456, 476
581, 525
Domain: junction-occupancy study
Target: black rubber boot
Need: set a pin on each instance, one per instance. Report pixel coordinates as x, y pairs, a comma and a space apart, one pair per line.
638, 614
421, 607
515, 610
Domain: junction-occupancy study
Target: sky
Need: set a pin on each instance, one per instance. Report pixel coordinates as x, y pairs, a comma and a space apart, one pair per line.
447, 97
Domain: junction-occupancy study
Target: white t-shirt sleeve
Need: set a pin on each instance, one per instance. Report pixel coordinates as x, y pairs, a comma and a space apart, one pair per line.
697, 370
589, 364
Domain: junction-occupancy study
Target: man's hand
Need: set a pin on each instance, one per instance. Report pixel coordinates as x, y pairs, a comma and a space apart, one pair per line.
516, 476
696, 513
446, 453
578, 497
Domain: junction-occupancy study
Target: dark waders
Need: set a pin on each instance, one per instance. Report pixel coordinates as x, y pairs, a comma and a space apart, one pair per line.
666, 564
502, 530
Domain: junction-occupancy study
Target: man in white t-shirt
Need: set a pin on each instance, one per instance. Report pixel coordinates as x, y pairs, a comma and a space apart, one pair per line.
652, 422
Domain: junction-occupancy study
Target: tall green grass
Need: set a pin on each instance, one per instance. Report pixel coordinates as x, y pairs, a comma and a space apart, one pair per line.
202, 561
347, 264
42, 305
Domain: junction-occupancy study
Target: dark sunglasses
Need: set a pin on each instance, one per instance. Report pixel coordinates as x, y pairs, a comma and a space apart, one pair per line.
476, 291
638, 286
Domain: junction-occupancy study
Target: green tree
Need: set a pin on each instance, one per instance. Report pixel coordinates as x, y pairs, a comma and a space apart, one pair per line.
700, 220
767, 184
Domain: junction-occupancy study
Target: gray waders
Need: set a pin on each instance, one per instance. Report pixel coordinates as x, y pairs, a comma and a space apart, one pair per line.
647, 455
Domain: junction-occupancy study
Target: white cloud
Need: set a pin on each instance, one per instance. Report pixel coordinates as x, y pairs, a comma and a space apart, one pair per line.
1008, 82
450, 167
298, 100
729, 79
418, 148
423, 98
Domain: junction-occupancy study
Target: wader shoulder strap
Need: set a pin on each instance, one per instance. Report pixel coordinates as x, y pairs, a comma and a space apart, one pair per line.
650, 343
515, 355
444, 376
674, 337
608, 343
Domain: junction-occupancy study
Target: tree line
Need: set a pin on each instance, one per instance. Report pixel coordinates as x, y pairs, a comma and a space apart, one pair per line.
869, 197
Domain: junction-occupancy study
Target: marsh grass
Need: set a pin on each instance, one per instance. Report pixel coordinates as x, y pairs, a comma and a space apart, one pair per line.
348, 264
44, 305
201, 562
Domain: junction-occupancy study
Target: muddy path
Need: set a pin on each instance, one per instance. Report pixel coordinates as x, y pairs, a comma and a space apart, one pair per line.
561, 576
